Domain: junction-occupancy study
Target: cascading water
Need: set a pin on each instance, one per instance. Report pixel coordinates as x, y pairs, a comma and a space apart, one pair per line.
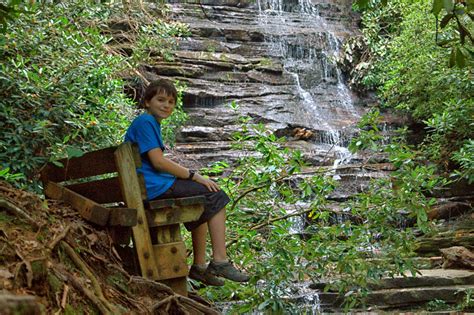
308, 57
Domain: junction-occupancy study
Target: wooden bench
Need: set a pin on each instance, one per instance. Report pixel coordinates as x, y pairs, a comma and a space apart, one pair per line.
104, 187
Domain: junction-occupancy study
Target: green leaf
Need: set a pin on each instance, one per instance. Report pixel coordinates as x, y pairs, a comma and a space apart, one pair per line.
448, 5
470, 5
73, 152
57, 163
363, 4
460, 58
452, 58
437, 6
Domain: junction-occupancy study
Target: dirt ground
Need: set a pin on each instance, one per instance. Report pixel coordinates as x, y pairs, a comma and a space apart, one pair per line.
53, 262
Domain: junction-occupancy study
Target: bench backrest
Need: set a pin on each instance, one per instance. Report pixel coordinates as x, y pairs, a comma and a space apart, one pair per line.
93, 175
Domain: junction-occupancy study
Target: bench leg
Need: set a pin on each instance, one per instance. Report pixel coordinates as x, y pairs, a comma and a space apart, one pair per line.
170, 256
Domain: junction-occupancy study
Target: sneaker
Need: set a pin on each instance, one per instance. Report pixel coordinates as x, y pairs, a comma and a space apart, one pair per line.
203, 275
228, 271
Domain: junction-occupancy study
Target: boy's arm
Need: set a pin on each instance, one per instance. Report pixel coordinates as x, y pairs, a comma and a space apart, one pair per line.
161, 163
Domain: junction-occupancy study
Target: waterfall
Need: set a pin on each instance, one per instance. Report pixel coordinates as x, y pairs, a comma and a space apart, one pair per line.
309, 58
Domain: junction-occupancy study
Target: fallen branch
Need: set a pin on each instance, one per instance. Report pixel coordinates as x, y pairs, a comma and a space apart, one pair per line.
197, 306
10, 207
319, 170
84, 268
272, 220
64, 298
55, 242
66, 276
29, 269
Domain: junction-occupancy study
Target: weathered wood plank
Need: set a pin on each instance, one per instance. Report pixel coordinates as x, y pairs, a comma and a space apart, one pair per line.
90, 164
129, 183
122, 217
171, 260
101, 191
163, 235
88, 209
178, 202
173, 215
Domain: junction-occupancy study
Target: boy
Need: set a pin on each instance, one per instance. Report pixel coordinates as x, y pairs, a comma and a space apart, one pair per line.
167, 179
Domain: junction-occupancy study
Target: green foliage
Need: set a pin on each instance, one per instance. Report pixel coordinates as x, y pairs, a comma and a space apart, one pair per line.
437, 305
8, 11
61, 94
9, 177
456, 23
269, 189
411, 72
467, 302
371, 137
465, 158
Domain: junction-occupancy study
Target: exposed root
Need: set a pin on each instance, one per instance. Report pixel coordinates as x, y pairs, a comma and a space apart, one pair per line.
17, 211
85, 269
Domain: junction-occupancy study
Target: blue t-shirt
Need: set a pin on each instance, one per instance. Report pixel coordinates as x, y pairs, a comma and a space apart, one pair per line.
145, 131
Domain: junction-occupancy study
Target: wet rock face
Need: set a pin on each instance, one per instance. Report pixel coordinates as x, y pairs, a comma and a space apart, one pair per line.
274, 58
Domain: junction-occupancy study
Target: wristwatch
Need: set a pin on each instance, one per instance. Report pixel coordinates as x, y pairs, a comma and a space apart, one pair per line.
191, 175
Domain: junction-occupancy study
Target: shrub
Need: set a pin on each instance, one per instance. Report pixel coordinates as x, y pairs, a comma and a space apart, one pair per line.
61, 91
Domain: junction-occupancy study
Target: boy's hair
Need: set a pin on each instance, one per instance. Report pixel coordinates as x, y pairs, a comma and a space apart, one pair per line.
159, 86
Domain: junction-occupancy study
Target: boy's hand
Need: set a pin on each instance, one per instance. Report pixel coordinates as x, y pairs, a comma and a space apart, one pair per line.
210, 184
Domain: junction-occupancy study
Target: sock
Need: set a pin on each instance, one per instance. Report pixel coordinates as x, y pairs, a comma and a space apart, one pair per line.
220, 262
200, 266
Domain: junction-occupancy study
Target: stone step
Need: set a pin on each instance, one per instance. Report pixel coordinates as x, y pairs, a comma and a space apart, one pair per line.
401, 292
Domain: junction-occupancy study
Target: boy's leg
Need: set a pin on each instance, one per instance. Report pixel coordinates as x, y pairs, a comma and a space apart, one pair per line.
198, 270
199, 236
220, 266
217, 231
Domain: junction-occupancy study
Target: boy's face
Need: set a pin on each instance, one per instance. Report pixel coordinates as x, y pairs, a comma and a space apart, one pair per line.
161, 105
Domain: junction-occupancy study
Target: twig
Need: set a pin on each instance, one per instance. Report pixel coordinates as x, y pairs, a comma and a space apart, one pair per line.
197, 306
29, 269
322, 169
64, 298
84, 268
270, 221
166, 300
55, 242
18, 212
66, 276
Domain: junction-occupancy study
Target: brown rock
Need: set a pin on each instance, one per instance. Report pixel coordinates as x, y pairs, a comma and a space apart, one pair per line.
457, 256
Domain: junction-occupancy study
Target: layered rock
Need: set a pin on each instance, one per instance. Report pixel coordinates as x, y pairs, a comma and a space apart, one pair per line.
274, 59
